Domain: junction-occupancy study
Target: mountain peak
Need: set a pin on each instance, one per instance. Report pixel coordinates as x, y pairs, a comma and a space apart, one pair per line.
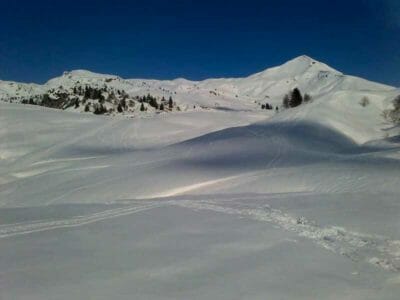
305, 62
86, 73
296, 66
303, 58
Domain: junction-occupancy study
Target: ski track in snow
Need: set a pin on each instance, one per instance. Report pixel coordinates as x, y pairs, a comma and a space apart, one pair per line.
359, 247
38, 226
374, 249
67, 159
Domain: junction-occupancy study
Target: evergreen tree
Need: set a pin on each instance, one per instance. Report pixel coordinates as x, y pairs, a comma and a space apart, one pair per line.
170, 103
86, 93
119, 108
364, 101
123, 103
101, 98
100, 109
46, 100
142, 108
295, 98
162, 106
153, 102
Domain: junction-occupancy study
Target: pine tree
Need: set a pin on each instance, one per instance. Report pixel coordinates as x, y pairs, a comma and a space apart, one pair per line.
119, 108
170, 103
295, 98
364, 101
162, 106
142, 108
153, 102
100, 109
86, 93
123, 103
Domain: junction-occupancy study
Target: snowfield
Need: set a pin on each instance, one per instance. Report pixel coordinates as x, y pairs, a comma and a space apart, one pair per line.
225, 201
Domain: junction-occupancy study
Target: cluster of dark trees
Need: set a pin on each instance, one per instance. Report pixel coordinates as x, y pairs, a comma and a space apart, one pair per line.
99, 109
266, 106
89, 92
152, 101
44, 100
63, 99
118, 98
97, 93
295, 98
28, 101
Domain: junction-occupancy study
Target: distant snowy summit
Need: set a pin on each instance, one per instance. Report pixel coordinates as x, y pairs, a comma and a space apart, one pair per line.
85, 91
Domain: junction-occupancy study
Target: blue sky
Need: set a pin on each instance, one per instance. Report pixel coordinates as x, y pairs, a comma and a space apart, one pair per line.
196, 39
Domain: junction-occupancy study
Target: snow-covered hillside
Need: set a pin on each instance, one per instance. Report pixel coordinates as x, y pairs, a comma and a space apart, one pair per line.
225, 200
336, 97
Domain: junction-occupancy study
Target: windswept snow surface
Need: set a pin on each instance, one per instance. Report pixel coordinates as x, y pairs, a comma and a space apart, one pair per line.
231, 202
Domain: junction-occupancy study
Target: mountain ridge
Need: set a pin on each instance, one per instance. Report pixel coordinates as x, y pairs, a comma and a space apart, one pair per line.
336, 96
302, 60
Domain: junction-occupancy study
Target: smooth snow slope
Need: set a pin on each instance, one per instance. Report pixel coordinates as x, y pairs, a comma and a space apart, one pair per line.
232, 203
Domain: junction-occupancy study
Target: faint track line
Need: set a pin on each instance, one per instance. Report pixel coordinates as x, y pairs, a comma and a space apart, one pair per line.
38, 226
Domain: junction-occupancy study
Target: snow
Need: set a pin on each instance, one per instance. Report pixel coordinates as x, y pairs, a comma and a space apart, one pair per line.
227, 202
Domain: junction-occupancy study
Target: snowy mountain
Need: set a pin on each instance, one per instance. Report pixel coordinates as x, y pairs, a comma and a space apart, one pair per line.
212, 197
336, 97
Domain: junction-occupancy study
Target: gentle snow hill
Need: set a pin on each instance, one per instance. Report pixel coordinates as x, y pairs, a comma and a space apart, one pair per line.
336, 97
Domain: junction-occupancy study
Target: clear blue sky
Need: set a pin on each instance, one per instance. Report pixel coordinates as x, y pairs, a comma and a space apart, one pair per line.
39, 39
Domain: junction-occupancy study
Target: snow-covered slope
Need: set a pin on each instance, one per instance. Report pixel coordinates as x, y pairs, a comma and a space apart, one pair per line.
304, 72
336, 96
228, 202
102, 207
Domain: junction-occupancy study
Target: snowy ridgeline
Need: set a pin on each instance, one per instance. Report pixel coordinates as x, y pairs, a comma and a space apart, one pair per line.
85, 91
